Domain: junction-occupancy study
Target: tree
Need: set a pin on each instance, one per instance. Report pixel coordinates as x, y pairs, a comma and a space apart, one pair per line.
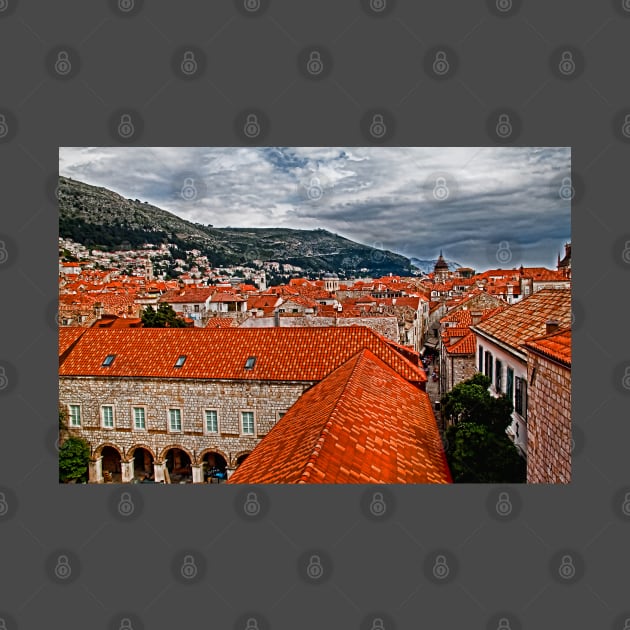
470, 401
74, 454
164, 317
479, 449
477, 455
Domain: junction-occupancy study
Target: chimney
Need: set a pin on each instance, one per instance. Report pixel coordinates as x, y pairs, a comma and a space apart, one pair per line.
551, 326
476, 317
276, 318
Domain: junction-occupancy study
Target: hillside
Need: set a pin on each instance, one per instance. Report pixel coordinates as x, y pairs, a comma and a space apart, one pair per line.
100, 218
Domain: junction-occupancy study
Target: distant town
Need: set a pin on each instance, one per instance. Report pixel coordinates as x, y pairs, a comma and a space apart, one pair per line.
173, 370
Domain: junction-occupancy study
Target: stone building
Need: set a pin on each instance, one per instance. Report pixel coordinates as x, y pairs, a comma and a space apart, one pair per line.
173, 402
501, 353
549, 416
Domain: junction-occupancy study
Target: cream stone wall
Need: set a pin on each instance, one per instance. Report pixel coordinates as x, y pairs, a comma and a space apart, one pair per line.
229, 398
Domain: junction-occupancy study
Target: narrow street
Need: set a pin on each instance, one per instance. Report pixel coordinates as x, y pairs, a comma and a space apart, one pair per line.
433, 390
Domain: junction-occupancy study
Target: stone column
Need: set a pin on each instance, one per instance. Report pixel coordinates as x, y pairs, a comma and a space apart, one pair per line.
95, 470
158, 471
229, 471
197, 473
126, 469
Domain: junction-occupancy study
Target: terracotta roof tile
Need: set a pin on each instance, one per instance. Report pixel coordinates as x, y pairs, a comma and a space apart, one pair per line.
527, 318
286, 354
556, 345
361, 424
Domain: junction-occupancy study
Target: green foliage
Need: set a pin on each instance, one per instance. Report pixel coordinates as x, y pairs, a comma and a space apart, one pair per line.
470, 401
477, 455
479, 449
74, 456
164, 317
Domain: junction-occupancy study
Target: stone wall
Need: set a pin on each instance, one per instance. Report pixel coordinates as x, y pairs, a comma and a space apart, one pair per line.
549, 421
457, 368
229, 398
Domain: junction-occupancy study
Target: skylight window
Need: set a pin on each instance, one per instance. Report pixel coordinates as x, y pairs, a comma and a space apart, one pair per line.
180, 360
109, 359
249, 364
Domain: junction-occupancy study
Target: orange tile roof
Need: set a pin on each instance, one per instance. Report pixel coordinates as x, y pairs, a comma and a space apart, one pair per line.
527, 318
283, 354
556, 345
221, 322
68, 335
188, 295
466, 345
361, 424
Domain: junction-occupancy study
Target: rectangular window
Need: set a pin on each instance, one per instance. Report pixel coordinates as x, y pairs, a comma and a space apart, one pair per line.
509, 385
247, 422
175, 419
520, 397
109, 359
75, 415
481, 359
489, 365
139, 418
181, 359
212, 422
107, 416
498, 369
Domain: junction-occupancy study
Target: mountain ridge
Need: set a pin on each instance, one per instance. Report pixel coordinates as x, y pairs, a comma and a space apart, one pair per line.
101, 218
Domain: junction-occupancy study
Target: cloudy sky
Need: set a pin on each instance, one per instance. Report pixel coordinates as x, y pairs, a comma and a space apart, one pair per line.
481, 206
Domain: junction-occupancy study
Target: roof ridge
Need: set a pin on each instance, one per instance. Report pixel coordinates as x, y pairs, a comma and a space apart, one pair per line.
306, 471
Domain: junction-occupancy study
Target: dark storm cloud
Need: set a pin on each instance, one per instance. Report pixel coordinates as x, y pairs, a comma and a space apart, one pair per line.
376, 195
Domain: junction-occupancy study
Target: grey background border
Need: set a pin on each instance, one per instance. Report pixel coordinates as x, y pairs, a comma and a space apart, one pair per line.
375, 61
